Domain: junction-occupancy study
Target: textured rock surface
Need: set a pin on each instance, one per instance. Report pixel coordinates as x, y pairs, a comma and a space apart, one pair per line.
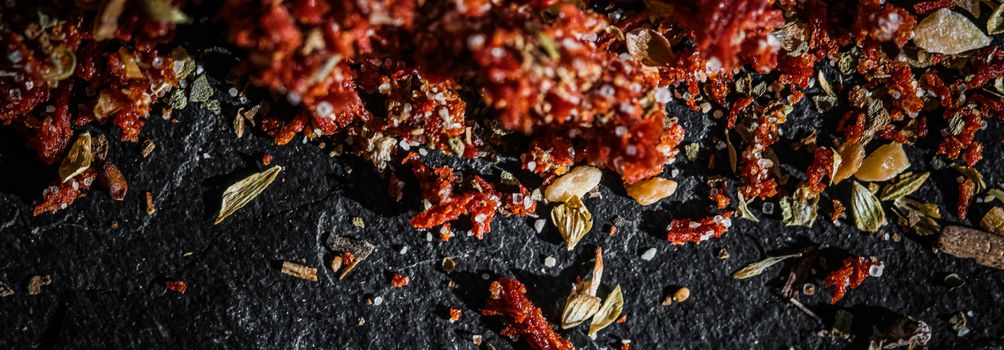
107, 289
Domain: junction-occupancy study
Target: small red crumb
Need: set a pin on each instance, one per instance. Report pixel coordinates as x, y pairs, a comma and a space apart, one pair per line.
399, 280
455, 314
838, 210
149, 204
445, 233
687, 230
266, 159
851, 273
626, 346
966, 190
176, 286
613, 230
622, 319
508, 298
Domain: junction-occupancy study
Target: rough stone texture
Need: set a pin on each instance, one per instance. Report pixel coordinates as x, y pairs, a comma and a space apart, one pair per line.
107, 289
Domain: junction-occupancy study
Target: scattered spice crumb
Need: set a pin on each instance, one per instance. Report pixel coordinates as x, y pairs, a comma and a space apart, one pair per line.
455, 314
299, 271
681, 294
176, 286
37, 282
399, 280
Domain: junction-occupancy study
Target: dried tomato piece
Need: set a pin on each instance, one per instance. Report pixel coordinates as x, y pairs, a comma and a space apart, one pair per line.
966, 190
508, 298
821, 166
399, 280
695, 231
176, 286
851, 274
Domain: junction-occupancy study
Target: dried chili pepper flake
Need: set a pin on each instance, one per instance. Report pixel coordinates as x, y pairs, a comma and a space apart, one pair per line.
150, 209
508, 298
822, 165
851, 274
967, 189
399, 280
266, 159
62, 195
455, 314
176, 286
695, 231
838, 210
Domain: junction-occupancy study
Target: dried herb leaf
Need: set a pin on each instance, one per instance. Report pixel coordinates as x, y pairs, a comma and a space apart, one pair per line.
868, 213
918, 216
37, 282
243, 192
163, 11
744, 211
573, 220
825, 84
201, 90
758, 267
299, 271
997, 194
995, 25
993, 221
948, 32
800, 208
77, 159
608, 313
691, 150
649, 47
904, 185
972, 174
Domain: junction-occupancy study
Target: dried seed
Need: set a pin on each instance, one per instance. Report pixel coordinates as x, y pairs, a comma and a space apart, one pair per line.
681, 294
37, 282
921, 217
99, 147
243, 192
299, 271
993, 221
906, 184
578, 308
239, 124
577, 182
449, 264
611, 309
985, 248
358, 222
851, 155
573, 221
995, 25
649, 191
78, 159
336, 263
649, 47
948, 32
868, 213
148, 147
113, 182
884, 163
758, 267
825, 84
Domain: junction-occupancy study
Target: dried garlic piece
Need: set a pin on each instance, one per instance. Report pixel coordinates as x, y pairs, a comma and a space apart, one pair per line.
649, 47
649, 191
78, 159
948, 32
868, 213
994, 221
577, 182
758, 267
851, 155
608, 313
884, 163
573, 220
583, 303
299, 271
906, 184
243, 192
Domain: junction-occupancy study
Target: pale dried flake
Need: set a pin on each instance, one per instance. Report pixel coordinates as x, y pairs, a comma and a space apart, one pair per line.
538, 225
649, 47
884, 163
336, 263
759, 267
868, 213
993, 221
380, 148
299, 271
577, 182
550, 261
37, 282
148, 147
647, 192
800, 208
852, 154
611, 309
573, 221
825, 84
5, 291
243, 192
985, 248
995, 25
904, 185
107, 20
948, 32
358, 222
78, 159
238, 125
201, 90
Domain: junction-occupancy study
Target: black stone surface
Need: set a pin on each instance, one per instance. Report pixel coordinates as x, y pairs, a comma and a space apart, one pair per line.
108, 293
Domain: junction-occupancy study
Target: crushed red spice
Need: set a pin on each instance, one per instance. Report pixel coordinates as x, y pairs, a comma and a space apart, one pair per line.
399, 280
695, 231
525, 320
966, 191
176, 286
851, 274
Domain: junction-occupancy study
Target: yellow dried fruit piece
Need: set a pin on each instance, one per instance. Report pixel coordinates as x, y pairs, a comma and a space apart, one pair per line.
652, 190
994, 221
851, 155
885, 163
577, 182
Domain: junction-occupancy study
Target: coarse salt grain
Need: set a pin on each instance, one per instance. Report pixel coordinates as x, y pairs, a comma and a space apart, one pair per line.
648, 254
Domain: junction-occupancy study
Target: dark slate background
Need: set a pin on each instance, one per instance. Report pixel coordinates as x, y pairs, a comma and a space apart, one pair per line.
107, 289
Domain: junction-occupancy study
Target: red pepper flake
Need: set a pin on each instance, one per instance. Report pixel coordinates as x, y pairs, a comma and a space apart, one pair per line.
62, 195
851, 273
737, 107
622, 319
455, 314
613, 230
695, 231
176, 286
838, 210
150, 209
926, 7
508, 298
822, 166
266, 159
399, 280
966, 190
718, 195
